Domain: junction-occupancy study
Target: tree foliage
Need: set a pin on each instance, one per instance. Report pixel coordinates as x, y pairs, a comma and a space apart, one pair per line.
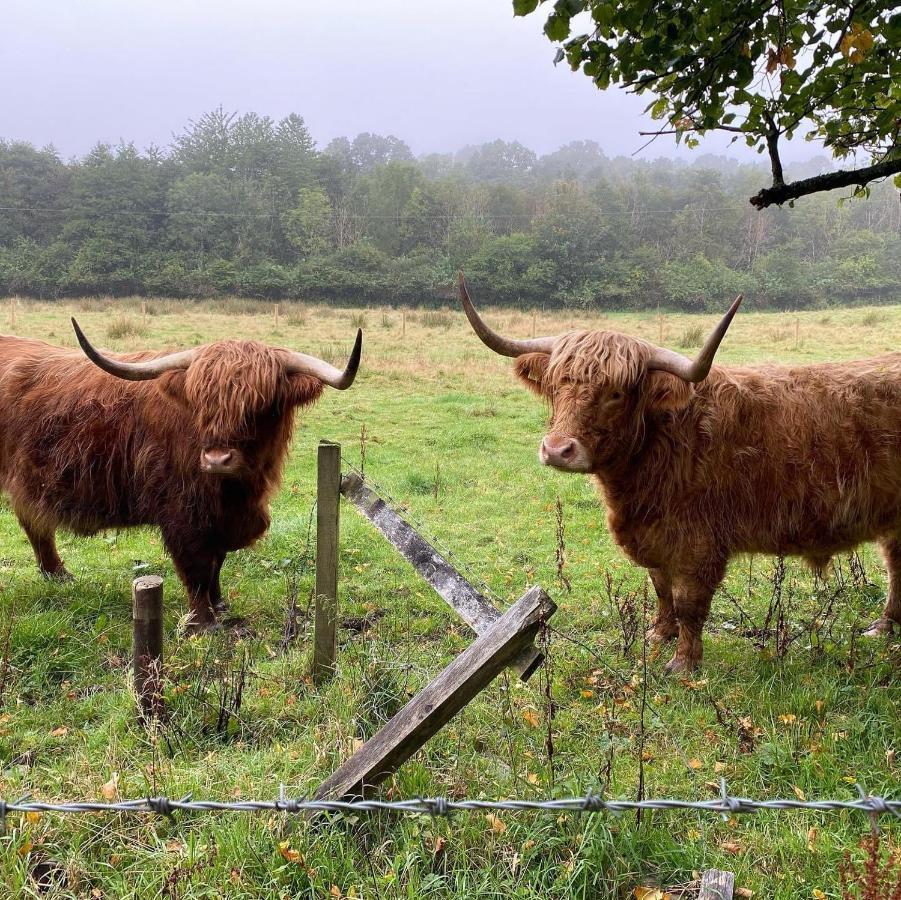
762, 70
248, 205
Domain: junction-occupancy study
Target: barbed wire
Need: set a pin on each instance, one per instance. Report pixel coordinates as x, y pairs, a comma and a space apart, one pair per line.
725, 805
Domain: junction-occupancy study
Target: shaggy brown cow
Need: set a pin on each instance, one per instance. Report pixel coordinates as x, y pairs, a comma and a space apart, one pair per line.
697, 464
192, 442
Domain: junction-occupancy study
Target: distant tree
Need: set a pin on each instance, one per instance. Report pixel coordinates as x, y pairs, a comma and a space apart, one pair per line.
308, 225
367, 151
760, 70
499, 161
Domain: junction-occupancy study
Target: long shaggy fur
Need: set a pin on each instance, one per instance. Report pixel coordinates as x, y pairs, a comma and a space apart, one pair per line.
84, 451
802, 460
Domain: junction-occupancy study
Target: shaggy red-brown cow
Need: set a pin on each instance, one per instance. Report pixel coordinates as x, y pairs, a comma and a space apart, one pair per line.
192, 442
697, 464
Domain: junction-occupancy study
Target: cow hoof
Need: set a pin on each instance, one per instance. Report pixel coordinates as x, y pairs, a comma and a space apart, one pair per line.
661, 632
60, 575
193, 629
679, 665
880, 627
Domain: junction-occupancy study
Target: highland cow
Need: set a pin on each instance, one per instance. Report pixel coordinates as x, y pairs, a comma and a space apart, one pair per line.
192, 442
698, 463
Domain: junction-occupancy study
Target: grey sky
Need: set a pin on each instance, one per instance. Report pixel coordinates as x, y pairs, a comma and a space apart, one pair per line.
439, 74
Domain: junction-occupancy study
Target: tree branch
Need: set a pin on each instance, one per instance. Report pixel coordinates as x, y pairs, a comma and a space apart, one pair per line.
779, 193
772, 146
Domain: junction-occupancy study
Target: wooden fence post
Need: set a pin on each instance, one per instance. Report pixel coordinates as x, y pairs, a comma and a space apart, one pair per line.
328, 485
717, 885
441, 699
147, 644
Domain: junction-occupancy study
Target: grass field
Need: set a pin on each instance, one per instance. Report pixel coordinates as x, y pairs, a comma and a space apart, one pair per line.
804, 709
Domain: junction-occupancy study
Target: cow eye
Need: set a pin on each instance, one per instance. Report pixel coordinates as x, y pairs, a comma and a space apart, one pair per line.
616, 395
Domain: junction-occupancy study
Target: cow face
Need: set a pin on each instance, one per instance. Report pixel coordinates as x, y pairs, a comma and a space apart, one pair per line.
238, 394
601, 386
600, 395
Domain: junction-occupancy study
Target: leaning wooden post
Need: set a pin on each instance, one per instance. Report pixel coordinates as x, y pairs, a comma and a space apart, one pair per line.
147, 619
328, 485
441, 699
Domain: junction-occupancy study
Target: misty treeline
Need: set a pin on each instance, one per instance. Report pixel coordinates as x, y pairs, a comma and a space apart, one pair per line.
247, 205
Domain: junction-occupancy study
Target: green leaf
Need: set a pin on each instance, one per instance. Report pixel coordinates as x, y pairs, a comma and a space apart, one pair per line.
524, 7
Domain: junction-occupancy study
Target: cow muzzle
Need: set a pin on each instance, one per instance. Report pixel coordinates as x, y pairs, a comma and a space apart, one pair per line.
564, 452
220, 461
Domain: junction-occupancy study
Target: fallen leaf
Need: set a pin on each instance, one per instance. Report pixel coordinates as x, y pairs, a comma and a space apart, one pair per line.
788, 718
532, 778
650, 893
110, 790
531, 717
695, 763
798, 793
744, 892
497, 825
587, 694
820, 705
335, 891
811, 838
731, 847
818, 894
33, 816
25, 848
719, 767
289, 853
59, 732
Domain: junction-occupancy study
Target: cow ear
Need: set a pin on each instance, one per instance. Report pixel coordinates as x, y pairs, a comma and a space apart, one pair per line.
172, 384
304, 389
666, 393
530, 369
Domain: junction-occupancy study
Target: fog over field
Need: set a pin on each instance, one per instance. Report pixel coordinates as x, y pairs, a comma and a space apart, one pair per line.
439, 74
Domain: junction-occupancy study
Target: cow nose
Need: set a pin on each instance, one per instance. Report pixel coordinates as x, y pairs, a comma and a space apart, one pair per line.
216, 459
563, 448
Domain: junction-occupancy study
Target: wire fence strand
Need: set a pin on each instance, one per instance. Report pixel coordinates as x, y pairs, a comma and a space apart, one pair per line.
725, 804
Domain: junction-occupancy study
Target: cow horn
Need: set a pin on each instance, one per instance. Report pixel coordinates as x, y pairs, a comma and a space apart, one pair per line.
697, 369
134, 371
302, 364
499, 344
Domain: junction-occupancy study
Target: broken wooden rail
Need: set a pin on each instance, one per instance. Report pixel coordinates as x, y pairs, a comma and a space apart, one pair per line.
448, 583
441, 699
502, 638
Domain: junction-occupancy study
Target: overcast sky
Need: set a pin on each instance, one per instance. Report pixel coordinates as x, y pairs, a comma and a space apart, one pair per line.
440, 74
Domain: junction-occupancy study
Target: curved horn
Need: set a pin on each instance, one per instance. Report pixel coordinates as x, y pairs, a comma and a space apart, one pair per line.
302, 364
134, 371
697, 369
499, 344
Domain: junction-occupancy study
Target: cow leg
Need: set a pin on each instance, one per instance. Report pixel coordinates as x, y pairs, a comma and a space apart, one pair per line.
219, 605
44, 545
692, 596
891, 615
195, 568
665, 627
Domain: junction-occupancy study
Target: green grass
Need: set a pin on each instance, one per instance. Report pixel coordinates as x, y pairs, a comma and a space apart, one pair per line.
434, 403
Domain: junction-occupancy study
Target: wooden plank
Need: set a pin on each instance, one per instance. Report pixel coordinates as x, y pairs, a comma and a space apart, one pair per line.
440, 699
448, 583
147, 645
717, 885
328, 483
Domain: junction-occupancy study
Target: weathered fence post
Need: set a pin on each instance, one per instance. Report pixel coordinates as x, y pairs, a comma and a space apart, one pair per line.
441, 699
717, 885
147, 643
328, 485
